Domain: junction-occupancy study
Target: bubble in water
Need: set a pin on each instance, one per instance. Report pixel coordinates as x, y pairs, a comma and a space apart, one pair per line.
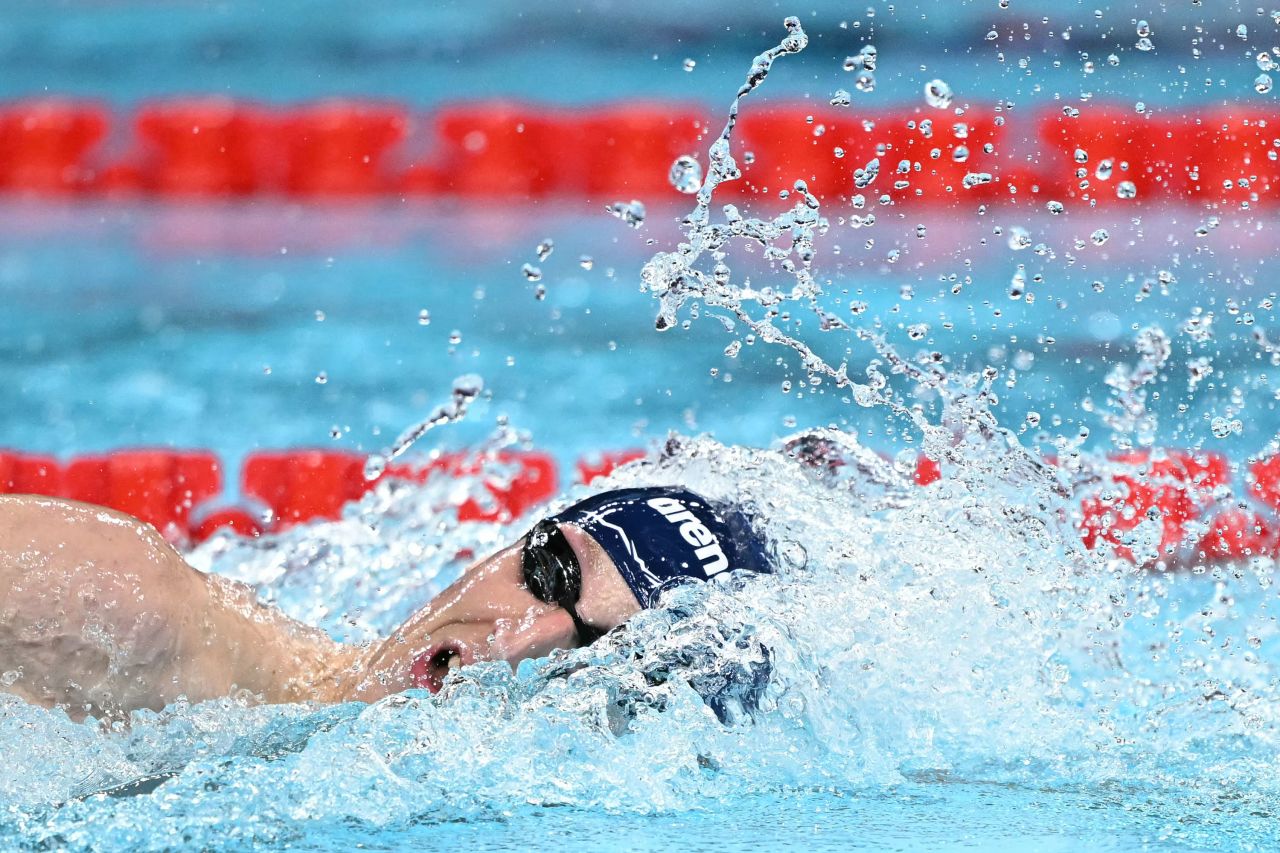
1054, 207
455, 337
586, 262
540, 292
1019, 238
974, 179
1126, 189
1242, 32
1265, 62
992, 35
921, 231
632, 213
1113, 60
690, 64
1262, 84
686, 174
1144, 29
1105, 167
545, 248
1100, 236
424, 317
531, 273
1081, 156
322, 377
841, 98
869, 56
917, 331
865, 81
961, 154
938, 94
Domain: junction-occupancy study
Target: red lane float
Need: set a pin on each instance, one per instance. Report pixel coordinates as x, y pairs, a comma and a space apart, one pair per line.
628, 149
302, 485
340, 147
159, 487
499, 149
208, 146
44, 145
598, 465
24, 473
177, 492
1176, 485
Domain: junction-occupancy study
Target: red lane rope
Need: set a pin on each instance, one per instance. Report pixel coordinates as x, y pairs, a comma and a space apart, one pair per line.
220, 147
179, 492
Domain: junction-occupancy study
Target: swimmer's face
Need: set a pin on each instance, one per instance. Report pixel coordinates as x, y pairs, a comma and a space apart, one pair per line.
489, 614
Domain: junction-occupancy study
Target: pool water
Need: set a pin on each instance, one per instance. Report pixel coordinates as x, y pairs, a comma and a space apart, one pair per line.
948, 668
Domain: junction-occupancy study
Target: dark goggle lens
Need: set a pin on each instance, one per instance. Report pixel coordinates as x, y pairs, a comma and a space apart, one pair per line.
550, 567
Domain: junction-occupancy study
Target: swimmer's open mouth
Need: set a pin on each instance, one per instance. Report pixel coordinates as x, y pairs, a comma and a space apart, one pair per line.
430, 668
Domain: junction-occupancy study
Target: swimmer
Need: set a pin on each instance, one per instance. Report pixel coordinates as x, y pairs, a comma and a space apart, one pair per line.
100, 616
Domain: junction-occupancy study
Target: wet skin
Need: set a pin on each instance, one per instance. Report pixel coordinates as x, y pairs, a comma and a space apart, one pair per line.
99, 615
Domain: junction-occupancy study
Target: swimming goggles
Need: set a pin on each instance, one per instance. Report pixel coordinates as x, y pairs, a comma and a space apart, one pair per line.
553, 575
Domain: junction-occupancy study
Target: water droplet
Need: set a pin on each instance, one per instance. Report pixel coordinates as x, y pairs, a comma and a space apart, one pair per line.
1262, 84
1105, 167
992, 35
1019, 238
689, 64
841, 98
1113, 60
1144, 44
335, 432
632, 213
1100, 236
865, 81
1265, 62
938, 94
540, 292
1054, 207
531, 272
961, 154
1242, 32
1081, 156
917, 331
322, 377
685, 174
319, 316
1126, 190
455, 337
1018, 284
1222, 427
424, 317
921, 231
1033, 419
863, 177
974, 179
1144, 29
1209, 225
586, 262
545, 248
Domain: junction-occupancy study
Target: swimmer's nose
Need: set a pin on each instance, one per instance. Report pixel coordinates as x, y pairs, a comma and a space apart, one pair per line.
430, 668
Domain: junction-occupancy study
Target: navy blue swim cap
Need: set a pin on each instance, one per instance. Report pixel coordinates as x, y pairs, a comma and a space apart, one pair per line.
656, 535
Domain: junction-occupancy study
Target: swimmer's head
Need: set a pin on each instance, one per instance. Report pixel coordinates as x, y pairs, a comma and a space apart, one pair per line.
575, 576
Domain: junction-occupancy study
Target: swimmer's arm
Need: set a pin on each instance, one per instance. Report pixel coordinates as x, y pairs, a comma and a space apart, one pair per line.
100, 615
